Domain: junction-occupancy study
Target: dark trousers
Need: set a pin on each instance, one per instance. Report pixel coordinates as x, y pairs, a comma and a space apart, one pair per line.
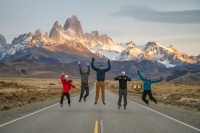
145, 93
84, 88
62, 97
122, 92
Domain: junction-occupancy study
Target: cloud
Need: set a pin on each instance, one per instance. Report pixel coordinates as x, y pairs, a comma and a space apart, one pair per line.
152, 15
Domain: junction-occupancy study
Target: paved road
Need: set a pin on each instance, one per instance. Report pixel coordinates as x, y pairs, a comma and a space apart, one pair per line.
82, 118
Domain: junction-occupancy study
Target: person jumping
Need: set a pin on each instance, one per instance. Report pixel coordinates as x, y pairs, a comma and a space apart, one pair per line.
147, 87
84, 81
100, 80
67, 84
122, 88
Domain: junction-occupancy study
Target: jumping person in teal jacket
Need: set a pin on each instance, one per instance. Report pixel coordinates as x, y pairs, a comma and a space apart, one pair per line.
147, 87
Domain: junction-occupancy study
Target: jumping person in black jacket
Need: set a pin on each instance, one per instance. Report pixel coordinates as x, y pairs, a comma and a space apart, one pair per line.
122, 88
84, 81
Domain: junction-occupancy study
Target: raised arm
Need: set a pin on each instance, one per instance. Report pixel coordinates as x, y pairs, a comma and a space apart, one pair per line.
156, 80
62, 77
88, 68
141, 77
80, 69
92, 64
109, 67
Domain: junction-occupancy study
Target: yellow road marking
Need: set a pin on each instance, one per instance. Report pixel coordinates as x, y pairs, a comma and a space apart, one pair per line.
96, 127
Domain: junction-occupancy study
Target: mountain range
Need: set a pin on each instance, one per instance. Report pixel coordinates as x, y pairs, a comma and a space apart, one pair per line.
68, 43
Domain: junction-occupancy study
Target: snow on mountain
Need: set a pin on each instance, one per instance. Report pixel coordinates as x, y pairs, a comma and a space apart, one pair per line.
70, 43
110, 51
130, 53
169, 56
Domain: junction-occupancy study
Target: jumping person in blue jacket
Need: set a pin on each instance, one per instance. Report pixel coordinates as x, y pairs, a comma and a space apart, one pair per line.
147, 87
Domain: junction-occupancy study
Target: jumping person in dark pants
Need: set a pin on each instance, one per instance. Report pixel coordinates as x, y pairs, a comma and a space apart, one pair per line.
84, 81
67, 84
100, 80
147, 88
122, 88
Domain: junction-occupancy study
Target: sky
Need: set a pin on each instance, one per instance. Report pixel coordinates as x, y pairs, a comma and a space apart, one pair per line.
168, 22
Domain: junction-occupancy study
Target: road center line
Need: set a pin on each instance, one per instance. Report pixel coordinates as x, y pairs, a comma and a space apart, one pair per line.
101, 126
96, 127
32, 113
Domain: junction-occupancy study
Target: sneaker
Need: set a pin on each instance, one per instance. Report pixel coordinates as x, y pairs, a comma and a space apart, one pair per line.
147, 102
104, 103
95, 103
119, 107
124, 107
84, 99
61, 105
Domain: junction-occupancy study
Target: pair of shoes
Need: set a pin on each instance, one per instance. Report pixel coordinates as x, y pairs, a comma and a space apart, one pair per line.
79, 100
95, 102
124, 107
84, 98
61, 105
104, 103
69, 105
119, 107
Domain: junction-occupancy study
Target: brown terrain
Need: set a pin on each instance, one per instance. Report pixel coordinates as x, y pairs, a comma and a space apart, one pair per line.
19, 92
186, 95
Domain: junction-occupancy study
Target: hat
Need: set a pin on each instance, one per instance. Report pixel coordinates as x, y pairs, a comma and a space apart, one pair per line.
123, 72
66, 76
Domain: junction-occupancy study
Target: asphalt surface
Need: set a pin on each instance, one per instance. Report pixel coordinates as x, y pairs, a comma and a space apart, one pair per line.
84, 116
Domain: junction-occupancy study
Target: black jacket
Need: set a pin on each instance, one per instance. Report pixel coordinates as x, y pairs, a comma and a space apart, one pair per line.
123, 81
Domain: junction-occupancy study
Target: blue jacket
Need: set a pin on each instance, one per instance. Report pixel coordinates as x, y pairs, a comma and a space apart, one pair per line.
100, 73
147, 83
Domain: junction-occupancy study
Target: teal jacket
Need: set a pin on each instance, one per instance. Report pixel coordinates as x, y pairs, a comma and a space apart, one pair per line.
147, 83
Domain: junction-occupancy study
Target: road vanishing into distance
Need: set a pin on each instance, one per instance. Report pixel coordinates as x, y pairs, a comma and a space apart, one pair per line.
86, 117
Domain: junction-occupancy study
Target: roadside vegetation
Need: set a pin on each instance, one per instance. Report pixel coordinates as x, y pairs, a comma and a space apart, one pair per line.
19, 92
186, 95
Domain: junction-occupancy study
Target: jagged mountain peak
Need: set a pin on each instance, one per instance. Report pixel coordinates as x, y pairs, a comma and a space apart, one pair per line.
2, 40
73, 27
